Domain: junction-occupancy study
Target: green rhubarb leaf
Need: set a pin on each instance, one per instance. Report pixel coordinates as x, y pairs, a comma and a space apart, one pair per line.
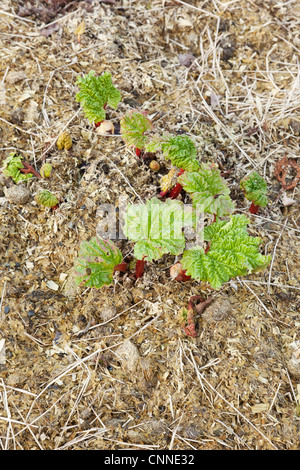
96, 261
95, 93
157, 228
11, 167
232, 252
134, 126
46, 198
255, 189
208, 190
179, 149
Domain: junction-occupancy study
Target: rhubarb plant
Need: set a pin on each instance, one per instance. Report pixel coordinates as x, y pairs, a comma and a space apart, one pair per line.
134, 128
232, 252
96, 93
208, 190
96, 263
12, 167
255, 190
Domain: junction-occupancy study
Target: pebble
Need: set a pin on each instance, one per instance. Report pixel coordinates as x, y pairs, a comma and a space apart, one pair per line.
218, 310
6, 309
17, 194
30, 313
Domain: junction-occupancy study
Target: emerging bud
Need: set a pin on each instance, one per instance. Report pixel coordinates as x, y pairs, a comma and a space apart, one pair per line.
105, 127
154, 165
46, 170
64, 141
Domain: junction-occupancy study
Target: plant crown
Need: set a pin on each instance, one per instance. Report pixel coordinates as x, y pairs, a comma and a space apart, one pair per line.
12, 165
255, 189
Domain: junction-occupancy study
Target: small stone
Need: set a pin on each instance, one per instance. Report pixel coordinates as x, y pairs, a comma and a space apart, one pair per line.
6, 309
30, 313
293, 363
218, 310
128, 355
108, 313
17, 194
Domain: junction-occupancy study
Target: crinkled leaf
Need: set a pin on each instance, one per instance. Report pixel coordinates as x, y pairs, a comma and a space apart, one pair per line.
11, 167
96, 261
134, 125
46, 198
156, 227
179, 149
255, 189
208, 189
232, 253
95, 93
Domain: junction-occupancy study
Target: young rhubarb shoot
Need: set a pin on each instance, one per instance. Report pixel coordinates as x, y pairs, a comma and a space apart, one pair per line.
134, 126
15, 167
232, 252
186, 318
187, 315
97, 261
64, 141
255, 190
179, 149
208, 190
46, 170
169, 184
47, 199
174, 193
95, 94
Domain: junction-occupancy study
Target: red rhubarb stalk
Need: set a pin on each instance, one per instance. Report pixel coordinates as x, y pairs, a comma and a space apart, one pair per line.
253, 208
177, 273
29, 169
97, 124
174, 193
139, 268
121, 267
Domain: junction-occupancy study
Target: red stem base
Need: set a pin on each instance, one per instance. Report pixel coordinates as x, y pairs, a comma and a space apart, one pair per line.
139, 268
253, 208
121, 267
174, 193
29, 169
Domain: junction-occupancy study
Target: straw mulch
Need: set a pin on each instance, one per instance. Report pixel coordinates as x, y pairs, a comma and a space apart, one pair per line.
112, 369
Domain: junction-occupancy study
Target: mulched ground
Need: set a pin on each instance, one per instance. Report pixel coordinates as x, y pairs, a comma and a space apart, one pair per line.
112, 369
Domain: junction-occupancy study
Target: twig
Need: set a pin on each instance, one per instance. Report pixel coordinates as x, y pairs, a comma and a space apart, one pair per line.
2, 316
273, 256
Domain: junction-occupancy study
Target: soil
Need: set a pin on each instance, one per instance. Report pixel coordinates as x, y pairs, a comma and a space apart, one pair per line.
112, 368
